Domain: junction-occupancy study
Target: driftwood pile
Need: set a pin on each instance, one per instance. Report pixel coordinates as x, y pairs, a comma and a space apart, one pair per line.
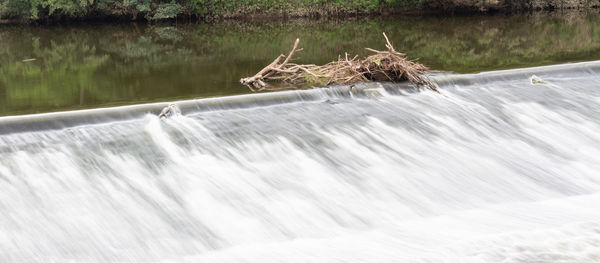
389, 65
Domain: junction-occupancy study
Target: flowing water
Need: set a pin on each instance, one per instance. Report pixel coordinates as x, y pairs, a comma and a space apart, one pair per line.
494, 168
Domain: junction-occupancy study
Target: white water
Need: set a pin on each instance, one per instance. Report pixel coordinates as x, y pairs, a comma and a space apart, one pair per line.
505, 171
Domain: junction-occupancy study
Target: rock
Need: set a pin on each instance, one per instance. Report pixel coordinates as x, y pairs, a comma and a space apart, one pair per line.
537, 80
170, 111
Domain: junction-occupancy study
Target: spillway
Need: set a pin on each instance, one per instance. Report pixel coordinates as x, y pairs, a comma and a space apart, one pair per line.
493, 168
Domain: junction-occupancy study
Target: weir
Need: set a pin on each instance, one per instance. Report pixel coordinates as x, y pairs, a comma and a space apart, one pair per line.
59, 120
495, 168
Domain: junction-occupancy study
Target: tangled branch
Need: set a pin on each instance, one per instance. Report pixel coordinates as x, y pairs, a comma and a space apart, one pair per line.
389, 65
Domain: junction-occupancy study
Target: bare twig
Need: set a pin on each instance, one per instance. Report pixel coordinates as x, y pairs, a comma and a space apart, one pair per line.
388, 65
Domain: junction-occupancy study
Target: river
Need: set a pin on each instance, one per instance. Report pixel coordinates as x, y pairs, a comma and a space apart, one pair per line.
80, 66
495, 167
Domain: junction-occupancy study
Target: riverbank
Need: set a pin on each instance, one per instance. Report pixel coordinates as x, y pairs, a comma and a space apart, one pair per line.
27, 11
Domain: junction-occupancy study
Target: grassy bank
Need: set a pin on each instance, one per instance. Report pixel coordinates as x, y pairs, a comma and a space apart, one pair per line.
203, 9
32, 10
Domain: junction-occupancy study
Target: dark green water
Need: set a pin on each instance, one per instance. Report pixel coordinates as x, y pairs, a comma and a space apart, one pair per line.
94, 65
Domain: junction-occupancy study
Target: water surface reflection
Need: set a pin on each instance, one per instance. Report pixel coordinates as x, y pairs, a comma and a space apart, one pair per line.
52, 68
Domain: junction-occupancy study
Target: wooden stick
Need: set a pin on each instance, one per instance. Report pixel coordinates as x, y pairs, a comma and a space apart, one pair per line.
287, 59
291, 53
259, 75
388, 45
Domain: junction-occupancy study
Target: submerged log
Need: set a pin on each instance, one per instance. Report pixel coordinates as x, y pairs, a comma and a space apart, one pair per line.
389, 65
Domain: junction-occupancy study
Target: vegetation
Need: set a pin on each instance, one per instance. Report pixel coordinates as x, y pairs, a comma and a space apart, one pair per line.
162, 9
207, 9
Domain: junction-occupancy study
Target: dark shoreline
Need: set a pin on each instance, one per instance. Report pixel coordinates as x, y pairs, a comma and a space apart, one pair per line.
299, 14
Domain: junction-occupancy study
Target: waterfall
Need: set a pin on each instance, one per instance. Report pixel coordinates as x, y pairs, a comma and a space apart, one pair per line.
494, 168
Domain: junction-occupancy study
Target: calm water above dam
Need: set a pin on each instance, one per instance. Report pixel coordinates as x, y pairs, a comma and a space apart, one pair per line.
54, 68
